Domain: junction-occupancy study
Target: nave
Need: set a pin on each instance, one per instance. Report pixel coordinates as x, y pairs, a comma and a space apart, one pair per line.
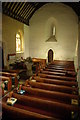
50, 93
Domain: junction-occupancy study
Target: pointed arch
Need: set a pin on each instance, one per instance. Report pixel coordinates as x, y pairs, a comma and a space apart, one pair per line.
50, 55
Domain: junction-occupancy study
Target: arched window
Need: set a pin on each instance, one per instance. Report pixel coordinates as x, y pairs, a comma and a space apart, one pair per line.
18, 43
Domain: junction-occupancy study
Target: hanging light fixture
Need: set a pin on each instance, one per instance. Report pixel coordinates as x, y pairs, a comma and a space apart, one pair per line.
52, 38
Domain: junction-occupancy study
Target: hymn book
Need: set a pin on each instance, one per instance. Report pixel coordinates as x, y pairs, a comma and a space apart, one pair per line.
11, 101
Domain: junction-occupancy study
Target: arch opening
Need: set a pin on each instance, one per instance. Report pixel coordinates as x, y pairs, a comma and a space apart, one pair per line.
50, 56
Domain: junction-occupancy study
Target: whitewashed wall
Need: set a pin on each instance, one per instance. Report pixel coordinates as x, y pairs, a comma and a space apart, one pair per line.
66, 23
26, 41
79, 60
9, 29
76, 57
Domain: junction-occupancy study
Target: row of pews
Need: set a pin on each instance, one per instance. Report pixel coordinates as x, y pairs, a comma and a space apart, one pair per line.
51, 94
7, 80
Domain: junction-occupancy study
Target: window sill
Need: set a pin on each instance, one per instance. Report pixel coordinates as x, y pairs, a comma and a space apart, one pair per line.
20, 52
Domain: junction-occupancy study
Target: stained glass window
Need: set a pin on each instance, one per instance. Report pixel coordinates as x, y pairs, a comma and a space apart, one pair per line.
18, 42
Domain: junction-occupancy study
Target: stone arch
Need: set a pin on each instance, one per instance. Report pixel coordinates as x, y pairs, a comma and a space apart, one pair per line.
50, 55
51, 23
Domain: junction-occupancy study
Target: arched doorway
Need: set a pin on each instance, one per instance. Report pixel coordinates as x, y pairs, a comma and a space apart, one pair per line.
50, 56
1, 58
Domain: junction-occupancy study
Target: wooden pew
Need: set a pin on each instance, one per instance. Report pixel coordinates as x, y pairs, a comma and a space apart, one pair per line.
70, 74
42, 62
3, 78
60, 68
57, 77
38, 63
50, 95
12, 75
63, 62
37, 105
60, 88
54, 70
16, 112
67, 73
62, 65
52, 73
10, 71
19, 111
1, 91
57, 82
54, 109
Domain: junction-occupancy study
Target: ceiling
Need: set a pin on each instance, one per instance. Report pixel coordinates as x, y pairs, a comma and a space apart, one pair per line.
23, 11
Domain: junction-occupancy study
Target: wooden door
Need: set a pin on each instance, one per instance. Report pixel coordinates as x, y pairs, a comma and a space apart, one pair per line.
1, 58
50, 56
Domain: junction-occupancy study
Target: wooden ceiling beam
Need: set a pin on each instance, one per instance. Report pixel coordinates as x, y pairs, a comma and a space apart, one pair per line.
24, 10
9, 5
26, 16
12, 7
16, 5
26, 13
30, 12
15, 16
21, 7
4, 4
37, 7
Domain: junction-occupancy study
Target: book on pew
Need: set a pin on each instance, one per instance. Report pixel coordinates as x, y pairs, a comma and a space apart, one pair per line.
33, 80
11, 101
21, 92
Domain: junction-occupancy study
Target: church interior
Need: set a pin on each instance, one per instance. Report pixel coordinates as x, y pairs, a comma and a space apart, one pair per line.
40, 60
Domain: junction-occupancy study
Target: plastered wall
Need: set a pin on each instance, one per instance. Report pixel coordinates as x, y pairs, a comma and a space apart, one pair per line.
79, 60
66, 23
9, 29
26, 41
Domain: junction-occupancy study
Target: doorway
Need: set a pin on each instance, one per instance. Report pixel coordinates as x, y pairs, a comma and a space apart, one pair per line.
50, 56
1, 58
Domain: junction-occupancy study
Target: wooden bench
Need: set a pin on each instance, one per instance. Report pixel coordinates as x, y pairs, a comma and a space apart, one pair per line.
52, 73
60, 88
60, 68
67, 73
3, 78
63, 62
1, 91
57, 77
12, 75
54, 109
56, 82
22, 111
16, 112
62, 65
50, 95
42, 62
54, 70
